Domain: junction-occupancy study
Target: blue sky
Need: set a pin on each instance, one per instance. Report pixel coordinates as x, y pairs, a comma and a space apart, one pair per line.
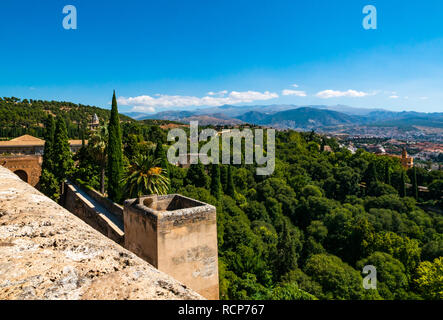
168, 54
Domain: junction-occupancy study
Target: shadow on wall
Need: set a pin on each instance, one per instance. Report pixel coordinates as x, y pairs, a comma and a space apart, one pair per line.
22, 175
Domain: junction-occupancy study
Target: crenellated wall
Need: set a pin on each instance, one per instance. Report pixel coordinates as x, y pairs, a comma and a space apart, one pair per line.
46, 252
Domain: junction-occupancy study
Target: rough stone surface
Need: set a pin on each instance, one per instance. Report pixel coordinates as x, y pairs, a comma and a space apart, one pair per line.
48, 253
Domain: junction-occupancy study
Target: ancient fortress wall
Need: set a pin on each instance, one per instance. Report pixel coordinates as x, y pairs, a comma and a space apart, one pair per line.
46, 252
92, 212
29, 168
112, 207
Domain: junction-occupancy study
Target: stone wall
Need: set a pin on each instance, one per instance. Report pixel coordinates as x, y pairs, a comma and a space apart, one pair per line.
111, 206
29, 168
178, 235
48, 253
77, 204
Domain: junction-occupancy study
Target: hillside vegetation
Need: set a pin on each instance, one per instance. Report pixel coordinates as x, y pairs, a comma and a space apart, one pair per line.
18, 117
307, 231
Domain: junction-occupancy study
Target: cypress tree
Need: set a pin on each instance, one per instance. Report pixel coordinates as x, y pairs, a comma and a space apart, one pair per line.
286, 251
387, 174
216, 188
82, 135
371, 174
224, 177
115, 155
402, 184
63, 162
48, 153
196, 175
414, 183
230, 188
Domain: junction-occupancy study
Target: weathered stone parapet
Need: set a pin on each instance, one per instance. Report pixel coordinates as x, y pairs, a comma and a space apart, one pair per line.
178, 235
112, 207
93, 213
48, 253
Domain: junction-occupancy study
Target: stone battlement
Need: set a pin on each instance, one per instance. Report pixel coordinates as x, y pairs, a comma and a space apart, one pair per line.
177, 235
48, 253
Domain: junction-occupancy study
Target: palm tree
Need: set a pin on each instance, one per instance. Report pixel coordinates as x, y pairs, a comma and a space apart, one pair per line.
97, 147
146, 177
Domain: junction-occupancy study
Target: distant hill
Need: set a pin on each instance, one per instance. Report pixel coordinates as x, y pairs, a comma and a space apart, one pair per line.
19, 117
348, 110
156, 122
136, 115
401, 119
300, 117
303, 118
216, 119
169, 115
253, 117
187, 116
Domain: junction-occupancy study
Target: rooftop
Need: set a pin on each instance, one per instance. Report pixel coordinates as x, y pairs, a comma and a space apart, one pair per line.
30, 141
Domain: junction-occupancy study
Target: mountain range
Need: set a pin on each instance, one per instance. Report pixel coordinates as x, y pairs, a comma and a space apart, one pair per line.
299, 117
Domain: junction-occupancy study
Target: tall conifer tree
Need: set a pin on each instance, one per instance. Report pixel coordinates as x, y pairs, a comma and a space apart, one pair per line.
63, 162
48, 153
403, 184
387, 174
115, 154
371, 174
224, 177
196, 175
414, 183
286, 251
230, 189
216, 188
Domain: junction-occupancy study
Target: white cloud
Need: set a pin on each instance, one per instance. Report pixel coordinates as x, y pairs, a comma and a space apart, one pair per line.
424, 98
327, 94
295, 85
148, 103
297, 93
220, 93
143, 109
394, 97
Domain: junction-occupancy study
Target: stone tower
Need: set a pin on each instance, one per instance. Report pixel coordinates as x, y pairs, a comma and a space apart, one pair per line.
178, 236
95, 122
406, 162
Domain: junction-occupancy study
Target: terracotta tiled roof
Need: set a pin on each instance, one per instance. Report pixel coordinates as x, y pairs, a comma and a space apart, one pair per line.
77, 142
30, 141
25, 140
28, 138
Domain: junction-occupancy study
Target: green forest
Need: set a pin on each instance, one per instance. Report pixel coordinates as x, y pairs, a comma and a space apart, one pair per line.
23, 116
305, 232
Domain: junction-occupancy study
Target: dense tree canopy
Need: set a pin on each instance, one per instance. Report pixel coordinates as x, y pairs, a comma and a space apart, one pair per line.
307, 230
